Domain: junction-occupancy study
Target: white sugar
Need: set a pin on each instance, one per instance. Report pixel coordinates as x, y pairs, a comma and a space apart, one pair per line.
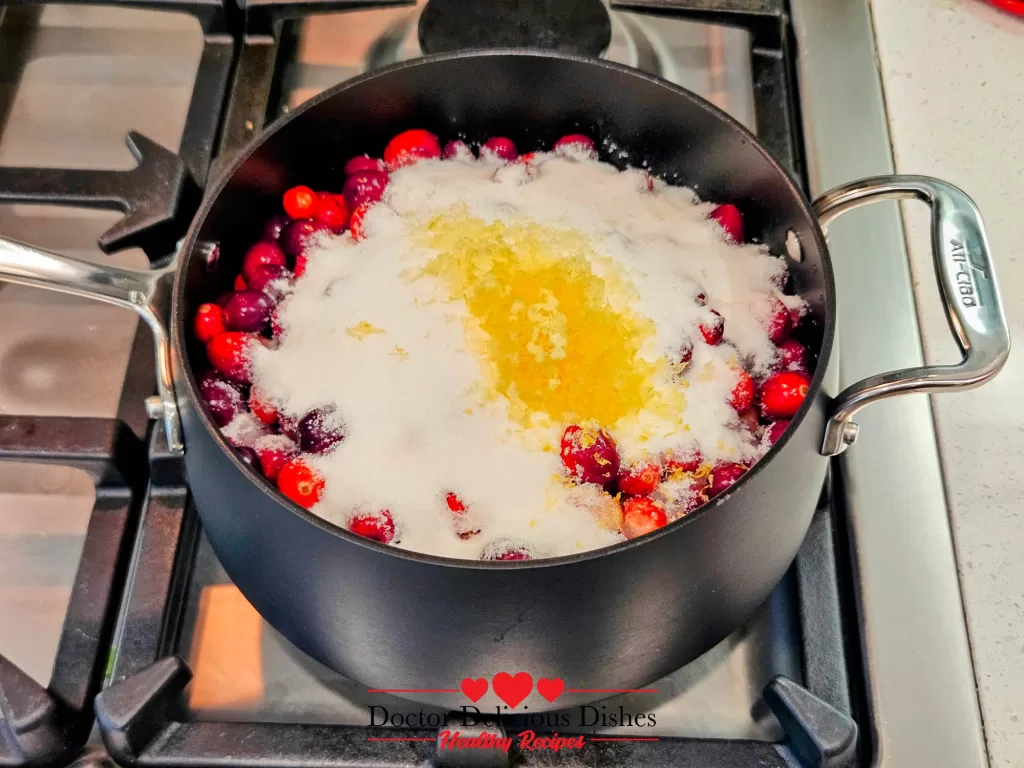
366, 332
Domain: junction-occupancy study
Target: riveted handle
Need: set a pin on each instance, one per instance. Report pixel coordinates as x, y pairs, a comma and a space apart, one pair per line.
970, 294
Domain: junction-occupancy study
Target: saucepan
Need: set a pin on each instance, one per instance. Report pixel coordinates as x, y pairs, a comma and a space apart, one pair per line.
613, 618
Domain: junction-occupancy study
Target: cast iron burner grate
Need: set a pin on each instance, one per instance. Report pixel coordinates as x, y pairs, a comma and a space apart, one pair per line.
570, 26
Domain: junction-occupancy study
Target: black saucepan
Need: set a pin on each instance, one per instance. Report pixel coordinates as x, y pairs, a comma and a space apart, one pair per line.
614, 618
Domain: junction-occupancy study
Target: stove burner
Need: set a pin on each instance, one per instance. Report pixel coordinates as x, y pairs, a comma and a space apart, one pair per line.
570, 26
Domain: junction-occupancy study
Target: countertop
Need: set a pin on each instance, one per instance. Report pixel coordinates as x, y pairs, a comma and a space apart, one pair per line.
953, 74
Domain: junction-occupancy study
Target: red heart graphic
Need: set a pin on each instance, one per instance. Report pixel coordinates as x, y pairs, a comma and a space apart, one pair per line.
474, 689
550, 689
512, 690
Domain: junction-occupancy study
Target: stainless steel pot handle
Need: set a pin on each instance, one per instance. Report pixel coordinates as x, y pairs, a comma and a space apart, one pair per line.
146, 292
967, 280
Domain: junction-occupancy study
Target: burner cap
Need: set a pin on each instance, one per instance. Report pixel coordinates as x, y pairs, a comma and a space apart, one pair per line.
571, 26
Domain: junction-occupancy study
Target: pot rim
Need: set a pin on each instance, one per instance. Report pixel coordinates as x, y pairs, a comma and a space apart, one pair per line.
213, 193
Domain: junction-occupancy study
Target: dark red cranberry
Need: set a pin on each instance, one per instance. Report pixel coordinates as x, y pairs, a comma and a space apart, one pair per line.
506, 551
501, 147
262, 254
221, 300
272, 280
222, 399
320, 430
248, 455
298, 235
288, 426
456, 149
686, 352
774, 431
701, 299
275, 224
793, 355
723, 477
361, 163
364, 186
248, 311
589, 454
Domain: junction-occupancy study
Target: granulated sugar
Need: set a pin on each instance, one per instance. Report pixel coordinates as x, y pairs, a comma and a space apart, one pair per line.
488, 308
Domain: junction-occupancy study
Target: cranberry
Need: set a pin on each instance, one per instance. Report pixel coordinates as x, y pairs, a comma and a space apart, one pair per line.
375, 526
320, 430
221, 300
749, 420
774, 431
688, 460
455, 504
365, 186
773, 316
355, 225
222, 400
361, 163
410, 146
276, 329
723, 477
209, 322
331, 211
248, 311
701, 299
513, 554
639, 479
782, 395
229, 355
692, 497
455, 149
729, 219
742, 396
239, 284
640, 515
713, 329
298, 235
589, 454
289, 426
299, 202
300, 264
274, 454
300, 483
686, 352
262, 254
271, 280
260, 405
248, 456
793, 355
506, 551
275, 224
575, 142
501, 147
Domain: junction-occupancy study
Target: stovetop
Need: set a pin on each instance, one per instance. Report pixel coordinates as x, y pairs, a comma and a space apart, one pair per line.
190, 674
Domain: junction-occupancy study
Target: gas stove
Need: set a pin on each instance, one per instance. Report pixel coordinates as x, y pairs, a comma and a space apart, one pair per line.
108, 586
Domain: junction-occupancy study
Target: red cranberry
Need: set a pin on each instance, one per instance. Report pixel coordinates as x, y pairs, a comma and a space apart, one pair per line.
729, 219
714, 329
688, 460
506, 551
299, 202
455, 504
575, 142
501, 147
793, 355
589, 454
298, 235
262, 254
782, 394
271, 280
773, 316
355, 225
640, 515
248, 456
376, 526
222, 399
456, 149
274, 455
723, 477
239, 284
261, 408
300, 483
320, 430
774, 431
410, 146
686, 352
640, 479
272, 229
742, 396
361, 163
331, 211
209, 322
229, 355
513, 554
248, 311
363, 187
300, 264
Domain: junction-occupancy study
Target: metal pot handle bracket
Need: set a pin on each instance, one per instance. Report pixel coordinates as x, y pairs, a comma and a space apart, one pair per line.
144, 291
968, 283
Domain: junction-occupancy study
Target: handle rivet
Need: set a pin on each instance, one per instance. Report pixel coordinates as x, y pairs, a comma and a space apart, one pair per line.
850, 433
154, 407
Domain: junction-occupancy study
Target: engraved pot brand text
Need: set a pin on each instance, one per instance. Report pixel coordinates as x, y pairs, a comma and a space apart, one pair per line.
964, 276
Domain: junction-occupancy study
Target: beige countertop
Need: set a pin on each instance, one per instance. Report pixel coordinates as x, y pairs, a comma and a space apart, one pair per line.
953, 74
